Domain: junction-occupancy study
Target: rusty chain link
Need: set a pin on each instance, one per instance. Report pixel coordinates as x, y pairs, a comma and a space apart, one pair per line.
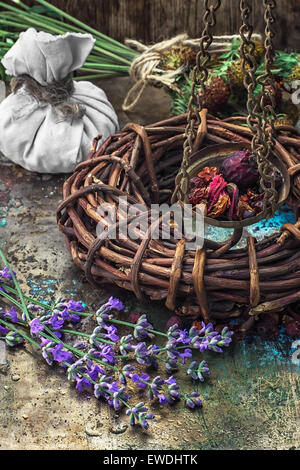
195, 105
261, 112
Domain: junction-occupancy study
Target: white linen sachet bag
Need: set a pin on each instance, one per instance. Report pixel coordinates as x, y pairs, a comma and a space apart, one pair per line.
48, 123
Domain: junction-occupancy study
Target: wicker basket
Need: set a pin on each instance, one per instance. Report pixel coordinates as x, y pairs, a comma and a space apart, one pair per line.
141, 163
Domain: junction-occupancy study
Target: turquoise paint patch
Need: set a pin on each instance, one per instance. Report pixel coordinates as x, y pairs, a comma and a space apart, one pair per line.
265, 352
39, 290
262, 229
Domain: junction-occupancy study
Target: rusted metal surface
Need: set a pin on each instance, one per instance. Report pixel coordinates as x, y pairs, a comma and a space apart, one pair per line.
250, 401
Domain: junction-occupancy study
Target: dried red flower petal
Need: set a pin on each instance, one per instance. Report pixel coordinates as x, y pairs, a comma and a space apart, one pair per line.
205, 176
198, 195
215, 189
234, 200
222, 204
255, 201
244, 210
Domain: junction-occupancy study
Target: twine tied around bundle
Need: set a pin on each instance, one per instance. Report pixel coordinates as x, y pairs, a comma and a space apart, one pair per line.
57, 94
145, 69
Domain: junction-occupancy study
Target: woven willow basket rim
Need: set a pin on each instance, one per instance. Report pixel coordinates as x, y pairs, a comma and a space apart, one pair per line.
139, 163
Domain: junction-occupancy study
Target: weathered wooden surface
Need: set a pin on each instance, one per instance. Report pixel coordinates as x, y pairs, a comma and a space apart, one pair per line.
153, 20
251, 400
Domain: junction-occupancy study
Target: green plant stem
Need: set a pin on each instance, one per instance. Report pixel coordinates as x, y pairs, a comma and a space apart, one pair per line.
94, 77
133, 325
85, 314
16, 285
11, 299
85, 335
19, 2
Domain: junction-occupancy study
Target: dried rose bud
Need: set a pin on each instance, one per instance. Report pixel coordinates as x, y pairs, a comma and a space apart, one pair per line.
174, 320
240, 168
134, 317
293, 329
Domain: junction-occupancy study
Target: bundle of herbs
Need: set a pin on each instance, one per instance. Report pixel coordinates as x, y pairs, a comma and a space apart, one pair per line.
108, 58
225, 92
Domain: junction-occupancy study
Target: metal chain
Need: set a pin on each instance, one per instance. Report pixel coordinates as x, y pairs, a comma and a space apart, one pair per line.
195, 105
261, 114
267, 105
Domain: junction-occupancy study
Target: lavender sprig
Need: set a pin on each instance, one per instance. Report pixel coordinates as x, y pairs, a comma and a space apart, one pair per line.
95, 370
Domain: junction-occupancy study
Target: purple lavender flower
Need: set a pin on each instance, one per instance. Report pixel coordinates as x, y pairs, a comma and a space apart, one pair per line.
210, 339
173, 331
47, 352
177, 336
198, 371
66, 309
74, 318
74, 306
140, 380
34, 308
125, 345
119, 396
61, 355
107, 353
44, 341
111, 334
56, 321
98, 334
173, 388
143, 328
187, 353
172, 355
192, 400
5, 274
13, 339
139, 414
101, 389
95, 371
103, 319
82, 383
3, 331
146, 355
12, 315
36, 327
115, 304
76, 369
112, 304
127, 372
81, 345
171, 365
156, 390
